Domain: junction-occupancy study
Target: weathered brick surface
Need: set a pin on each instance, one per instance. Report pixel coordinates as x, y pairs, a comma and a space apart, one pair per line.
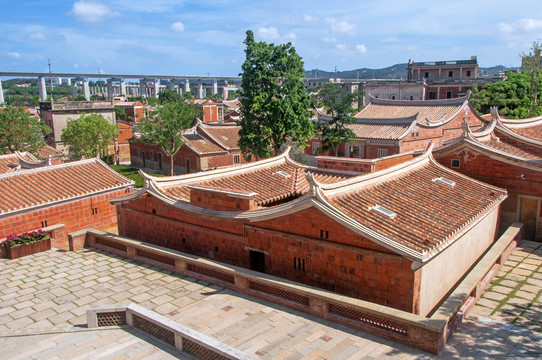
342, 261
75, 215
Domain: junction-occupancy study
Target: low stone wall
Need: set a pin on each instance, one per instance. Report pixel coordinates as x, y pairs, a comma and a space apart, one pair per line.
183, 338
429, 334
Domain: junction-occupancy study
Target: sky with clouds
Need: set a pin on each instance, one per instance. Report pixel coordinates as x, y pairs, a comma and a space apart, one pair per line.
185, 37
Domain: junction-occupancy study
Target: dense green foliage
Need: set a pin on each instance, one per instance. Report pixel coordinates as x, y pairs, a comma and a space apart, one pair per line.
88, 136
518, 96
20, 132
337, 101
132, 174
511, 97
165, 128
274, 104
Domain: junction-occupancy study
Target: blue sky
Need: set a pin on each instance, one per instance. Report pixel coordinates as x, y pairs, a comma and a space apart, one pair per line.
185, 37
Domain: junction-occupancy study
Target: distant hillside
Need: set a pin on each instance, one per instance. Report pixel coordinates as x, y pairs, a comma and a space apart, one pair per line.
397, 71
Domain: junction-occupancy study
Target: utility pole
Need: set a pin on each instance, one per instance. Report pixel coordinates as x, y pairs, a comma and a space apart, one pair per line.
50, 79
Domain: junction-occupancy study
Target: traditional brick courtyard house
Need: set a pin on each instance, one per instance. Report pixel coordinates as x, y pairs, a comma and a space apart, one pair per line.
75, 194
513, 162
388, 237
206, 146
389, 127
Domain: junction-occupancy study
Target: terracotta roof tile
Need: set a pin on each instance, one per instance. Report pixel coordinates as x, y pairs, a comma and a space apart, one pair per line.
389, 129
201, 144
428, 211
532, 132
51, 184
9, 162
432, 110
268, 183
227, 135
511, 149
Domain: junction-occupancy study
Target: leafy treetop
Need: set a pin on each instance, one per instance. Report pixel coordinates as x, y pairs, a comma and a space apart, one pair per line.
166, 127
274, 103
88, 136
19, 131
337, 101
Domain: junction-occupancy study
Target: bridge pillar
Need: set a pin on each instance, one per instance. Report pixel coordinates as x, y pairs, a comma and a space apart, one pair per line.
110, 90
143, 89
1, 93
86, 90
200, 91
122, 87
155, 88
186, 86
215, 88
42, 88
74, 89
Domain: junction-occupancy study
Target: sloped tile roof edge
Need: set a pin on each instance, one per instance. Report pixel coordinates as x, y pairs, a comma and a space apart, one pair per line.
504, 127
127, 183
473, 143
317, 197
217, 141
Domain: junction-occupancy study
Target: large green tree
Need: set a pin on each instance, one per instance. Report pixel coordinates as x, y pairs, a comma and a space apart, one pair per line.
274, 103
166, 127
510, 96
88, 136
19, 131
532, 66
337, 101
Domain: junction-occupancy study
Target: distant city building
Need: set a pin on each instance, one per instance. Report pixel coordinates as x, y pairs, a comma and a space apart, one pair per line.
57, 114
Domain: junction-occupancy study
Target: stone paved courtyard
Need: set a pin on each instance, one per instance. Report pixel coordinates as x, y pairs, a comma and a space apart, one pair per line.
44, 298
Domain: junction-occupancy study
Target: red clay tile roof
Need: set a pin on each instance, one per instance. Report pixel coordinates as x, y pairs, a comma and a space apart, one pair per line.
533, 132
267, 182
428, 212
10, 162
510, 149
225, 135
432, 110
389, 129
51, 184
47, 150
201, 144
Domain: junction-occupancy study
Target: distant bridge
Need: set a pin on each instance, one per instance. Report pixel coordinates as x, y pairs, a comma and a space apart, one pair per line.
149, 85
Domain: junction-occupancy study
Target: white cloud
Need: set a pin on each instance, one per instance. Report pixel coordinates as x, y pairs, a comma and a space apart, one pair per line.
90, 11
291, 36
177, 26
328, 39
390, 39
38, 36
310, 18
76, 66
341, 26
341, 46
268, 33
14, 55
361, 48
520, 32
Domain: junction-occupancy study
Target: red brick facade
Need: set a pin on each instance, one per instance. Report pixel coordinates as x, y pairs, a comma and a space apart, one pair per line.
344, 262
93, 211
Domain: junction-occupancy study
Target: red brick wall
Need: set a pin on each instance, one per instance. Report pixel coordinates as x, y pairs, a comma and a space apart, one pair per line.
219, 201
382, 164
345, 164
371, 151
345, 262
75, 215
498, 173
